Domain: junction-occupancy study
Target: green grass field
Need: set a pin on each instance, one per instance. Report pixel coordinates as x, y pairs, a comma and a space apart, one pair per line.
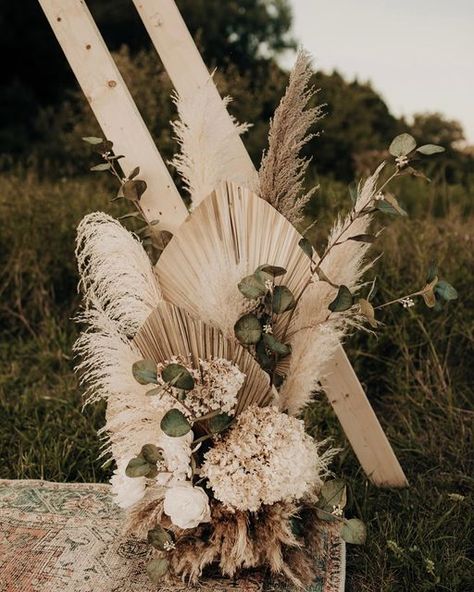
418, 372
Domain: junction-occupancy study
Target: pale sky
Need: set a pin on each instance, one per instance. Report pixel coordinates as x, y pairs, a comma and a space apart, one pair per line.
419, 54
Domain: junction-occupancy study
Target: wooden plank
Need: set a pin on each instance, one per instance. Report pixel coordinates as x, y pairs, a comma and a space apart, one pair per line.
114, 107
188, 73
360, 424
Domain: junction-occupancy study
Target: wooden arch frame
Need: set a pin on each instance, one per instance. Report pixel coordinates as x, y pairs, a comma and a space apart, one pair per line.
120, 121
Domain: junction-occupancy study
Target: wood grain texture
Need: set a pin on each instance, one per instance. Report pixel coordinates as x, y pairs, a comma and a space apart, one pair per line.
188, 73
114, 108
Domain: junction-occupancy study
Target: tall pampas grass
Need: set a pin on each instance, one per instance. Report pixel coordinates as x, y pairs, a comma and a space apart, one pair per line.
282, 170
315, 333
116, 275
209, 152
120, 291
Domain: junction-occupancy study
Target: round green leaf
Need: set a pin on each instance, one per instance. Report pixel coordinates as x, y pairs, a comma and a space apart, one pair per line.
389, 205
272, 270
354, 532
219, 423
276, 346
248, 329
430, 149
133, 189
343, 301
333, 493
252, 286
178, 376
101, 167
445, 290
175, 424
144, 372
159, 538
402, 145
137, 467
282, 299
151, 453
157, 569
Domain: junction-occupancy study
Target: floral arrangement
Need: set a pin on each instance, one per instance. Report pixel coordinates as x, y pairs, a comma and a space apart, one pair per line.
207, 345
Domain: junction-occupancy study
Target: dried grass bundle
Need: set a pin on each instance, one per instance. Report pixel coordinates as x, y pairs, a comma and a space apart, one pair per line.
282, 170
315, 333
240, 541
207, 138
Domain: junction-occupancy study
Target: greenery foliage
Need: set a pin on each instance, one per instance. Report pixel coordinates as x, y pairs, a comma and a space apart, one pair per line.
418, 371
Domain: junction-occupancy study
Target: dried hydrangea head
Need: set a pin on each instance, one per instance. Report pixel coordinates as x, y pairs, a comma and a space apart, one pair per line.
265, 458
217, 384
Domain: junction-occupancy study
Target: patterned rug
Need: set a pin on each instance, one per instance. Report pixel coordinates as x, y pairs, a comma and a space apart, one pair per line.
65, 537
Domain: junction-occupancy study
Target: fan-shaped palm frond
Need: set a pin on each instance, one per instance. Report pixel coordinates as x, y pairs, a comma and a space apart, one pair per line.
170, 331
227, 237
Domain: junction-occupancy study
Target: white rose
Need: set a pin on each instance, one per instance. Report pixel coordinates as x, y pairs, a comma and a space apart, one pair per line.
187, 506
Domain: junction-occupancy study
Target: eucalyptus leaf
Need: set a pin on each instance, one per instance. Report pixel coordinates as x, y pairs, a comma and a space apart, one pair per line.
282, 299
137, 467
219, 423
159, 538
134, 173
262, 357
134, 189
175, 424
276, 346
248, 329
402, 145
390, 205
343, 301
93, 140
157, 569
428, 293
144, 372
272, 270
151, 453
333, 493
178, 376
354, 532
105, 166
445, 290
252, 286
306, 247
367, 310
430, 149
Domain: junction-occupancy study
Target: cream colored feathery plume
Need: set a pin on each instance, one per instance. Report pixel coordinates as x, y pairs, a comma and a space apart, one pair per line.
207, 137
120, 291
315, 333
283, 170
116, 275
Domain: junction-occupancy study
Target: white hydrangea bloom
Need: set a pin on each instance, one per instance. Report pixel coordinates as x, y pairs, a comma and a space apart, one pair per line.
217, 384
265, 458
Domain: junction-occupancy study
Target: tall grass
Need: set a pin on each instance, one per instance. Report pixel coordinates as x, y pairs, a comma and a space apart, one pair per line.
418, 373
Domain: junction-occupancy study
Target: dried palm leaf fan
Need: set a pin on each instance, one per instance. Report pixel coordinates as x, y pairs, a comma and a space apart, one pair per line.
227, 237
170, 331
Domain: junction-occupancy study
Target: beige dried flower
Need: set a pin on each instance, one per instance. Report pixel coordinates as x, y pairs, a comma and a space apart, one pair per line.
282, 170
